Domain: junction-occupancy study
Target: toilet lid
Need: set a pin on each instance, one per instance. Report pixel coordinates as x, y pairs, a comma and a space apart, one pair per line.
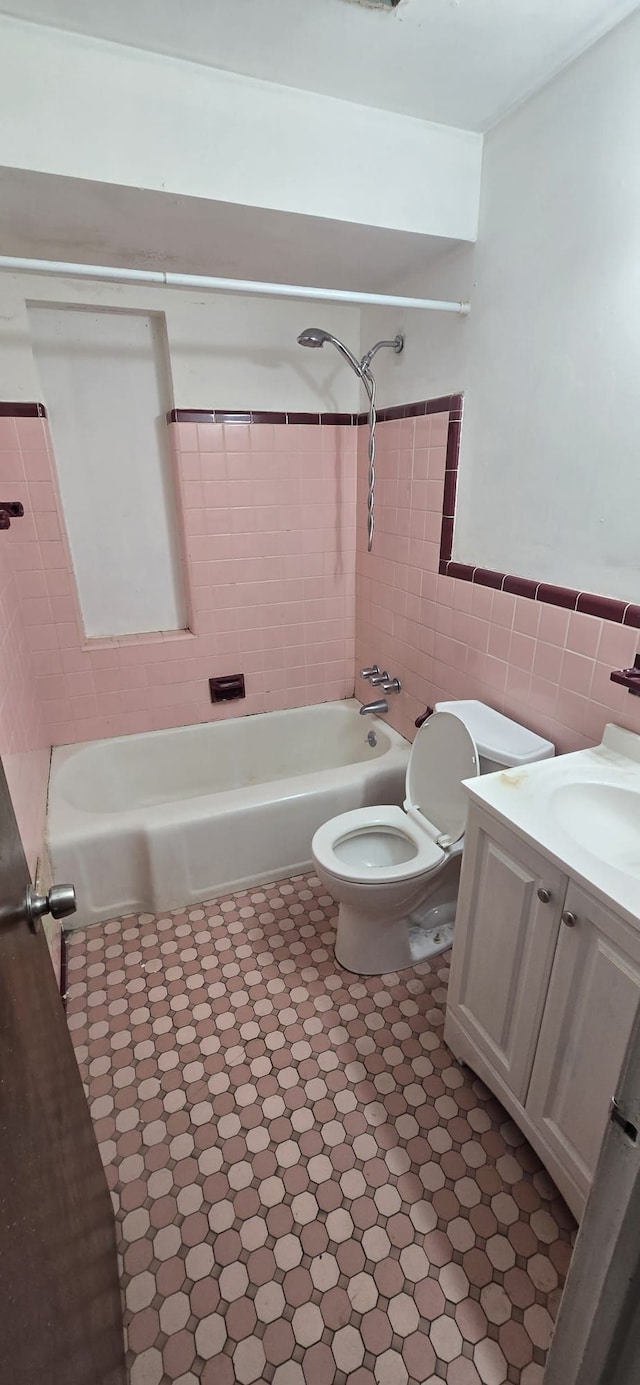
443, 754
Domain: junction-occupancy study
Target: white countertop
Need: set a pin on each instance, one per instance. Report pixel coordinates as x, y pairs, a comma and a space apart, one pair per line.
572, 809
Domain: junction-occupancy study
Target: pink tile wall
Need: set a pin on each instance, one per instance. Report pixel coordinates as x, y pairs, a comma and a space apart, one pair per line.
24, 740
444, 638
268, 514
270, 533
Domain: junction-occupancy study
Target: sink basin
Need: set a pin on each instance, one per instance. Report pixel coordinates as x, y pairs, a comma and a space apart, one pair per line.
604, 819
582, 809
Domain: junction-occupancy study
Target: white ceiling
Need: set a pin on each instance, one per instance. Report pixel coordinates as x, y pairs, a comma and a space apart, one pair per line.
458, 62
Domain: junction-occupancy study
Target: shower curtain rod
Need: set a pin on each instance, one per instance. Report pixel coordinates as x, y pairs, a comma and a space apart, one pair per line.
203, 281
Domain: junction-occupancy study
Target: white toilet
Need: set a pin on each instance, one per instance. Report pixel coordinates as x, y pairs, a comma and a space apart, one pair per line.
394, 871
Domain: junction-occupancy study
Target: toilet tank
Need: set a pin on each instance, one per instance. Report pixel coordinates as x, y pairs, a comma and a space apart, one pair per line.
502, 743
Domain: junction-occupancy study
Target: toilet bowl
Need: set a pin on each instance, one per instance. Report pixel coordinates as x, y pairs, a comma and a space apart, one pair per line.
394, 871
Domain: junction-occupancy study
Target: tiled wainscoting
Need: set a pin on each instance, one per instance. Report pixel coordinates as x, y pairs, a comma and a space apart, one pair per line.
267, 518
447, 638
267, 515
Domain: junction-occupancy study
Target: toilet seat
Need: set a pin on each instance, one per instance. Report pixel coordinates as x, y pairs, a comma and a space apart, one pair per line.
352, 847
360, 825
443, 754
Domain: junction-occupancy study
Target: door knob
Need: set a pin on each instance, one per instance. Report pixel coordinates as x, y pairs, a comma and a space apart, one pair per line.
59, 902
544, 895
569, 919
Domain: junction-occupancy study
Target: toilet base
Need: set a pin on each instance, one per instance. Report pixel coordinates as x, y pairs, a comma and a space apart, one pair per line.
373, 941
373, 947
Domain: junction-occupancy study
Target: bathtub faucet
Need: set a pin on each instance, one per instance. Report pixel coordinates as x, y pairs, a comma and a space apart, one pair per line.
376, 708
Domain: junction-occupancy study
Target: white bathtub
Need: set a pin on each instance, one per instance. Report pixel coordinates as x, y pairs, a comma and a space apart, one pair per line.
155, 821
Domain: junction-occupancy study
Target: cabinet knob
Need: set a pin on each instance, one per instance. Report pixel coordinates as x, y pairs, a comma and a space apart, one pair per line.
544, 895
569, 919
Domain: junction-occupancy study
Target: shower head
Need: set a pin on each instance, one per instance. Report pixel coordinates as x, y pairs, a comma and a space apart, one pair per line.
313, 336
316, 336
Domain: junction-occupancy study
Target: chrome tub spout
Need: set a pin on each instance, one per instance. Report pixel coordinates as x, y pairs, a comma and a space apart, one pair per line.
376, 708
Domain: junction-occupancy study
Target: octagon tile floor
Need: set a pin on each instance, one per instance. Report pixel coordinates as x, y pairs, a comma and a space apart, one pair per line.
309, 1190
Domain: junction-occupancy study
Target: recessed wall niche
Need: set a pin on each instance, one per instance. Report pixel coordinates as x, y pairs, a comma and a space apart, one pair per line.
105, 383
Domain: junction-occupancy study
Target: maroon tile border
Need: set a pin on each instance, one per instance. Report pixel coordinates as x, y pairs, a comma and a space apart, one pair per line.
607, 608
604, 606
21, 410
451, 402
568, 597
257, 416
520, 586
621, 612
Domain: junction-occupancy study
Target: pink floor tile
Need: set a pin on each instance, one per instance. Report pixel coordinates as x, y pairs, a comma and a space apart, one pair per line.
308, 1188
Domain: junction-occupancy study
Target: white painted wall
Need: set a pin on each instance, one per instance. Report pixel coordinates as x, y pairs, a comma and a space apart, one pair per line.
224, 351
120, 115
107, 388
550, 474
437, 349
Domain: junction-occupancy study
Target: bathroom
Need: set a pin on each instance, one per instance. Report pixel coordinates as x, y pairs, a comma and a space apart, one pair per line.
251, 1142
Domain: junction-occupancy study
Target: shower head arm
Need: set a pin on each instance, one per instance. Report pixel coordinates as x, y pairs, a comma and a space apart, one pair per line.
396, 345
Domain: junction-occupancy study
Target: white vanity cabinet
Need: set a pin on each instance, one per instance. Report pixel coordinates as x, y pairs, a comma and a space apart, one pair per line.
505, 938
593, 997
544, 990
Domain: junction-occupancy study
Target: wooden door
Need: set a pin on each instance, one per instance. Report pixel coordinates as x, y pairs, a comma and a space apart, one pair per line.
589, 1015
60, 1322
505, 936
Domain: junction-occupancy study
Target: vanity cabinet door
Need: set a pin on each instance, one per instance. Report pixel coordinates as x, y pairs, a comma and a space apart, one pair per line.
507, 924
590, 1010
